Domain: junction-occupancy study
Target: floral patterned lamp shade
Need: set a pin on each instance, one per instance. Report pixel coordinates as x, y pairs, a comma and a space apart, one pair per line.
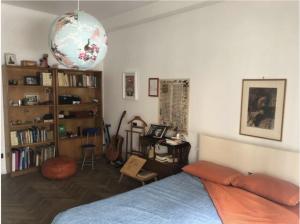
78, 40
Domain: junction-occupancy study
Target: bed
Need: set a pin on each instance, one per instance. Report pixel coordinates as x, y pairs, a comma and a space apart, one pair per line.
182, 198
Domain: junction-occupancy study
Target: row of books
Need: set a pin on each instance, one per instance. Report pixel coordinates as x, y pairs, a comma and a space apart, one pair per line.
69, 80
30, 135
25, 157
46, 79
165, 158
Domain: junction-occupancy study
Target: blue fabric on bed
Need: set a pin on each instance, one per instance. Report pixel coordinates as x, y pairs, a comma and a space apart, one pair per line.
180, 198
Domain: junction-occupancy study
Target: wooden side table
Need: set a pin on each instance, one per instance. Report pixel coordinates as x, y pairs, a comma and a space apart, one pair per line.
179, 152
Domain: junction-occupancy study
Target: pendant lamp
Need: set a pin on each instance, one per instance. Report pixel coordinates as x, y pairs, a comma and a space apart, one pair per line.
78, 40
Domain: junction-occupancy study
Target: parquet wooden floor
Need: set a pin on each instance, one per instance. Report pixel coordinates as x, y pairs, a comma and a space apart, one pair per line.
33, 199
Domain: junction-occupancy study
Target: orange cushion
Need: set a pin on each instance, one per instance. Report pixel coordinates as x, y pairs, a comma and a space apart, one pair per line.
269, 187
211, 172
59, 168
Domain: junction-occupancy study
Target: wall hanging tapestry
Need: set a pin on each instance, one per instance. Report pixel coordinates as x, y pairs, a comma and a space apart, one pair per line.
174, 103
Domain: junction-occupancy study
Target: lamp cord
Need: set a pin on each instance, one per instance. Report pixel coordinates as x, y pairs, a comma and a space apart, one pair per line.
78, 5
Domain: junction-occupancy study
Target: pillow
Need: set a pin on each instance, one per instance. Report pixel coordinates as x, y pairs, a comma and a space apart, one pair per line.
271, 188
211, 172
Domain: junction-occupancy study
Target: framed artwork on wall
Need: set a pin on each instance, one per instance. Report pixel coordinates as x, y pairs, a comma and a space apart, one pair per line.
262, 108
130, 86
153, 87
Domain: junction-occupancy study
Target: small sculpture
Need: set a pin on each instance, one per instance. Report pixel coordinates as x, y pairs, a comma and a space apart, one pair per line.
44, 61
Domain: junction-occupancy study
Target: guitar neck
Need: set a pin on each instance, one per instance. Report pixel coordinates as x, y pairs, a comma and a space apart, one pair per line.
123, 114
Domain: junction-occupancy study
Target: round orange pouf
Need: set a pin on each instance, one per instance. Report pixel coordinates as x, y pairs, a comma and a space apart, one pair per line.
59, 168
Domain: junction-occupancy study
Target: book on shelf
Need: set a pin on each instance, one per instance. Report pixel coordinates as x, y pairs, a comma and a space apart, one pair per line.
30, 135
26, 157
13, 162
83, 80
13, 138
46, 79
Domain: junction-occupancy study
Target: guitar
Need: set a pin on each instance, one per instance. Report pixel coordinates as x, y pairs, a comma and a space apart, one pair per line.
114, 149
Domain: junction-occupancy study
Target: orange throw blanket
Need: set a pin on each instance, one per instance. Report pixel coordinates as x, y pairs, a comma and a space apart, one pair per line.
237, 206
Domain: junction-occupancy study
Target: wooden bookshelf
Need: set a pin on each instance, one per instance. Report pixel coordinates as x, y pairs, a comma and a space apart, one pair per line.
23, 172
71, 146
24, 126
22, 117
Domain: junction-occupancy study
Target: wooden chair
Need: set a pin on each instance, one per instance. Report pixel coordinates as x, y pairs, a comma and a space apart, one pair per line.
89, 145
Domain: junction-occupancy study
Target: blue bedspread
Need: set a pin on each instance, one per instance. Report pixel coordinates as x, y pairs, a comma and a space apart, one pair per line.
179, 199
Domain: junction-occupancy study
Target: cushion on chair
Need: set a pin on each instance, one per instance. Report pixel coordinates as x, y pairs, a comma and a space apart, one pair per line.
59, 168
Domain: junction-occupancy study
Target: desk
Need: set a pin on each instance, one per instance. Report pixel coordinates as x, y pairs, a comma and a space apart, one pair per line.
163, 169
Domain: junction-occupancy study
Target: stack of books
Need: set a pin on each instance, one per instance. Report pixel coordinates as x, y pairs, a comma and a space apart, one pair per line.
69, 80
30, 135
25, 157
165, 158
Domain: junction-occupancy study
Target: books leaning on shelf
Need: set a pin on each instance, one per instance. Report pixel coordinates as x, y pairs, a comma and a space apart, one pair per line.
30, 135
25, 157
46, 79
69, 80
165, 158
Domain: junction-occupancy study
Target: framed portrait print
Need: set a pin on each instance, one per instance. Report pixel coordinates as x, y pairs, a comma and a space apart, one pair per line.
153, 87
262, 108
130, 88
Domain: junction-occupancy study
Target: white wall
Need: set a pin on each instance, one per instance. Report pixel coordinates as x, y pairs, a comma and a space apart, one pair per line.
24, 32
215, 47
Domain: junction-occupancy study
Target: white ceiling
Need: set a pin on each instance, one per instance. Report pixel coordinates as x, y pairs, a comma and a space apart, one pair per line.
99, 9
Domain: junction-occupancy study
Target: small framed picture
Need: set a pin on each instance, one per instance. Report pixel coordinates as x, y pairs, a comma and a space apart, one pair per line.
31, 81
157, 131
153, 87
130, 86
10, 59
262, 108
31, 99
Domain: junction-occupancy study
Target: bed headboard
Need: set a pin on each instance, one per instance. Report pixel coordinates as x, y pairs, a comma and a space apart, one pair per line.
250, 158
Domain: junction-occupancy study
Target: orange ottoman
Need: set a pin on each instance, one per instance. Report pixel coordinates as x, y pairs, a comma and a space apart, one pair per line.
59, 168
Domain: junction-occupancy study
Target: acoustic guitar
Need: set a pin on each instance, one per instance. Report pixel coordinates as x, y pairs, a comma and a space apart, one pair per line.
114, 149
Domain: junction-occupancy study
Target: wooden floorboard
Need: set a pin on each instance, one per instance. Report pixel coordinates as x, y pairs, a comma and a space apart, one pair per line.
33, 199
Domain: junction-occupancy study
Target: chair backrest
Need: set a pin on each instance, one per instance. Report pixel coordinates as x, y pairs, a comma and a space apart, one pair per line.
91, 135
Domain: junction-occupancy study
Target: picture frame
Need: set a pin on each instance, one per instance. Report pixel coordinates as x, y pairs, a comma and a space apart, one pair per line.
32, 99
153, 87
130, 86
262, 108
157, 131
31, 81
10, 59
